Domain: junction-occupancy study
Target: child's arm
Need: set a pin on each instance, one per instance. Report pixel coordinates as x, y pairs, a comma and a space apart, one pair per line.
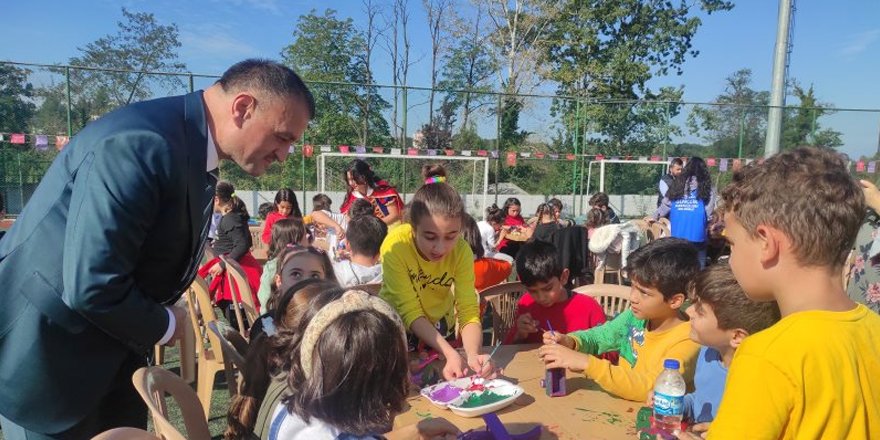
324, 219
757, 400
606, 337
635, 383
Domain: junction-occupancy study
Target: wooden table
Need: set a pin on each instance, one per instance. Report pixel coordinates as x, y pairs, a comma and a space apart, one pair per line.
586, 412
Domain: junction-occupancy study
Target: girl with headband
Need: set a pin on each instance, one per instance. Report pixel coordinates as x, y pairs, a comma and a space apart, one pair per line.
428, 276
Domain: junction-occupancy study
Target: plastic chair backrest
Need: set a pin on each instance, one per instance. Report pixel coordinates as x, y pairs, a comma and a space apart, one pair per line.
233, 345
613, 298
125, 434
201, 312
152, 383
503, 299
245, 298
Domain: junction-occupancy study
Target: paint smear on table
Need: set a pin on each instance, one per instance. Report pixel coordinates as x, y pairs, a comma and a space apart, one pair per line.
482, 399
446, 393
610, 418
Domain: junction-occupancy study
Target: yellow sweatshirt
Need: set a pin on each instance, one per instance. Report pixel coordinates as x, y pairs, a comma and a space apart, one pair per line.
814, 374
417, 287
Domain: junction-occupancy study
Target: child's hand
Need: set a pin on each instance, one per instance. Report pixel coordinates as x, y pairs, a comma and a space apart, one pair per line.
340, 233
872, 194
696, 432
455, 367
215, 270
650, 400
557, 356
482, 366
559, 338
525, 325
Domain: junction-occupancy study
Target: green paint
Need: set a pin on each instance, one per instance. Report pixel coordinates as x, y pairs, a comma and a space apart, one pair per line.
610, 418
482, 399
422, 415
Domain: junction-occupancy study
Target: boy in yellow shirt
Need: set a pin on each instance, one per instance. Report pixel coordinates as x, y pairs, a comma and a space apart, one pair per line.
791, 222
646, 334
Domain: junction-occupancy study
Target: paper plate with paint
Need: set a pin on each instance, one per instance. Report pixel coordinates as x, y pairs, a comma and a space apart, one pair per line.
445, 393
494, 395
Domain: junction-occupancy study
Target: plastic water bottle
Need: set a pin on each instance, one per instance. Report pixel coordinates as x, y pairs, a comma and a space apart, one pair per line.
332, 241
669, 393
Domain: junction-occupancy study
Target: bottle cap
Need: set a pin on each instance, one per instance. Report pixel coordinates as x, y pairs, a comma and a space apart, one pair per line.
672, 364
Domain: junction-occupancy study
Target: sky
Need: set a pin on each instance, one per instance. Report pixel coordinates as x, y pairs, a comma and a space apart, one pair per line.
836, 46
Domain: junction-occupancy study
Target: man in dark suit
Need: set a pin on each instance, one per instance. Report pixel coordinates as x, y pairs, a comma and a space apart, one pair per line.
112, 237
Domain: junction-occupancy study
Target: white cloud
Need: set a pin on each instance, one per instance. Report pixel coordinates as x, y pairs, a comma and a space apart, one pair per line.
212, 46
859, 43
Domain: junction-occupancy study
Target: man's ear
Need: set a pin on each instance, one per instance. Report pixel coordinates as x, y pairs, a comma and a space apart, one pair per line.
243, 107
563, 278
676, 301
737, 337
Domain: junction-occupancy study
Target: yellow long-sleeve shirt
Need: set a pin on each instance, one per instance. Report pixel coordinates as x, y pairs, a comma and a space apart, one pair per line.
642, 355
812, 375
417, 287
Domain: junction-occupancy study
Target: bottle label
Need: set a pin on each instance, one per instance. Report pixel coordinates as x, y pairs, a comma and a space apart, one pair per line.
666, 405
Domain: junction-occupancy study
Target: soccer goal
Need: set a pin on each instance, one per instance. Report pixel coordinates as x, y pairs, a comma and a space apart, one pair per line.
468, 175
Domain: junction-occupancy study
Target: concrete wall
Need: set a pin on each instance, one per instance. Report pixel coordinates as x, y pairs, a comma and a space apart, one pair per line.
629, 205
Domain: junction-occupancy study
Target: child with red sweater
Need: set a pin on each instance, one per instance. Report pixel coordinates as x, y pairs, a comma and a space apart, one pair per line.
286, 206
547, 300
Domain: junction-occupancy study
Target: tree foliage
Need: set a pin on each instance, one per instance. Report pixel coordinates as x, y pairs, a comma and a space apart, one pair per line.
16, 95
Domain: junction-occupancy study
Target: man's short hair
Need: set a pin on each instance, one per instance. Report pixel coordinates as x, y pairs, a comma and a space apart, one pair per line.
365, 235
267, 76
537, 262
809, 195
717, 287
676, 161
667, 265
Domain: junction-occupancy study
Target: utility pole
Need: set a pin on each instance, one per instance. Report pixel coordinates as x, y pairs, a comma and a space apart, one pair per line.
777, 90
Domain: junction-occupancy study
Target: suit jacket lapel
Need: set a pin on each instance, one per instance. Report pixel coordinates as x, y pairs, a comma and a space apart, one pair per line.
196, 147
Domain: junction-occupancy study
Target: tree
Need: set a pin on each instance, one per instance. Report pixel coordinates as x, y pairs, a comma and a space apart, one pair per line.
397, 44
608, 51
437, 12
327, 49
141, 44
16, 95
468, 66
801, 124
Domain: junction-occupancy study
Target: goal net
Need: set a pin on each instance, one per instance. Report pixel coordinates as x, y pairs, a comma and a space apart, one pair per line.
468, 175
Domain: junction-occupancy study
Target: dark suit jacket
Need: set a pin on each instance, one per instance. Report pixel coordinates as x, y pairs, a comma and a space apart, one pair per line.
106, 239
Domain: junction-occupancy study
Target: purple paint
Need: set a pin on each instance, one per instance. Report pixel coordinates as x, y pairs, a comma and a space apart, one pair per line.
445, 393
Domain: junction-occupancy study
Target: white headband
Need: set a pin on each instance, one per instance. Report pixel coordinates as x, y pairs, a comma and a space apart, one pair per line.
351, 301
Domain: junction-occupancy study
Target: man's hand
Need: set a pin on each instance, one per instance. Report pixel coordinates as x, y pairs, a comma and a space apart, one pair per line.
181, 320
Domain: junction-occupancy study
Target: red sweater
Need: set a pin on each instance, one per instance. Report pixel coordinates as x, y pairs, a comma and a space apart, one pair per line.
578, 312
273, 217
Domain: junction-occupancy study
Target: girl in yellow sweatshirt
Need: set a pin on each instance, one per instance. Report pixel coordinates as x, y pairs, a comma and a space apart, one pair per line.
428, 275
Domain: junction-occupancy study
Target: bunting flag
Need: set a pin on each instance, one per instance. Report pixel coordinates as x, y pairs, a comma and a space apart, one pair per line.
539, 154
17, 138
525, 154
494, 154
723, 165
600, 157
308, 150
41, 142
432, 152
465, 152
860, 166
482, 153
291, 149
511, 158
644, 158
60, 141
1, 137
344, 149
360, 149
569, 156
325, 149
655, 158
710, 161
737, 164
396, 151
449, 152
378, 150
412, 152
872, 167
554, 156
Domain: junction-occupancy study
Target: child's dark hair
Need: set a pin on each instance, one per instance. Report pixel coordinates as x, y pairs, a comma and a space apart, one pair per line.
346, 385
321, 202
225, 192
287, 195
365, 235
494, 214
595, 218
599, 199
259, 362
362, 173
511, 201
436, 198
471, 234
717, 287
695, 169
667, 265
284, 232
284, 257
360, 207
556, 204
537, 262
544, 209
265, 208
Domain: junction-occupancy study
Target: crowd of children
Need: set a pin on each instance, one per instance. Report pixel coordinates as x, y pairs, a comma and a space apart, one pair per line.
770, 345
